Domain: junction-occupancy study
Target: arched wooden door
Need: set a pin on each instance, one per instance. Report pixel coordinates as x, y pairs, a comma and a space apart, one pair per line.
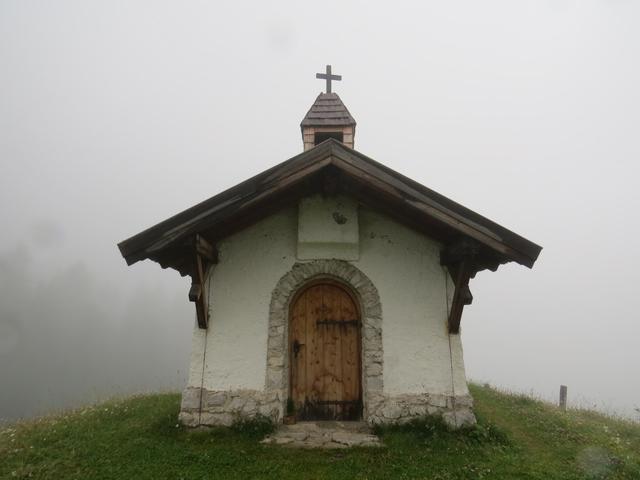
324, 349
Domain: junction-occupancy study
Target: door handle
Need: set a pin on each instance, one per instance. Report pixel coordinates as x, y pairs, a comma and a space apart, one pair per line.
296, 347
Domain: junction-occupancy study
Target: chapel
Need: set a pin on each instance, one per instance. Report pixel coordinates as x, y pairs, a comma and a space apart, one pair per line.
328, 287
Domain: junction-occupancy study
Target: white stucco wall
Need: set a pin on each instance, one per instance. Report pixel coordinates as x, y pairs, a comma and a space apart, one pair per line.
320, 235
250, 264
403, 265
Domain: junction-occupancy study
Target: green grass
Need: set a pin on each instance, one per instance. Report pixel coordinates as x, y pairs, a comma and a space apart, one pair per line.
139, 438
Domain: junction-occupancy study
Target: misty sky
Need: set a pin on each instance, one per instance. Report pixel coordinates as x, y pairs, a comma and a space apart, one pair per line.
115, 115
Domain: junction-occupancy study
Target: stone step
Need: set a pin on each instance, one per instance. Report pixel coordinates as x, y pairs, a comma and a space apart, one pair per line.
324, 435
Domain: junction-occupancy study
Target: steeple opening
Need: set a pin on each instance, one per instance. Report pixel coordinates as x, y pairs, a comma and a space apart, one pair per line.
320, 137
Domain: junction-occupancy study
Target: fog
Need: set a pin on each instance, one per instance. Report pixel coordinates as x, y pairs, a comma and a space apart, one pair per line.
116, 115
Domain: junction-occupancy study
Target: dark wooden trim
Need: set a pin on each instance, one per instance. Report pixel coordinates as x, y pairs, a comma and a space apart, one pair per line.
204, 248
461, 281
462, 259
203, 255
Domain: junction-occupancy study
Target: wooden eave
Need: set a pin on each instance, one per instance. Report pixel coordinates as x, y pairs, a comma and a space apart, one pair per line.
328, 167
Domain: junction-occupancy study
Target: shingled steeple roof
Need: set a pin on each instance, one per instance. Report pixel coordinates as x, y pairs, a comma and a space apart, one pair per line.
328, 111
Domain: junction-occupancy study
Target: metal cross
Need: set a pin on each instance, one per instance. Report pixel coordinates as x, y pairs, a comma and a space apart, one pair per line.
328, 77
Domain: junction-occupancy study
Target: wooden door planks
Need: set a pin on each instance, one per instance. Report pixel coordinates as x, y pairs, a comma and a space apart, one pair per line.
325, 371
350, 351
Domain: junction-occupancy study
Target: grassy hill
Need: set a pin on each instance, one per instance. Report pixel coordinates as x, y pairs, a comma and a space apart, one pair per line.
517, 438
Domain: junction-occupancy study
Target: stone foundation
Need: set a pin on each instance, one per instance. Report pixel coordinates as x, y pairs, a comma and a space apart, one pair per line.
456, 411
205, 407
223, 408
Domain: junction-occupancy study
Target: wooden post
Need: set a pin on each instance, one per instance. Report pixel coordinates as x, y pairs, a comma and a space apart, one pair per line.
563, 398
203, 254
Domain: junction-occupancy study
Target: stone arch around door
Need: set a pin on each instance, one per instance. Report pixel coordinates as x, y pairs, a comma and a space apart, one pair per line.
277, 378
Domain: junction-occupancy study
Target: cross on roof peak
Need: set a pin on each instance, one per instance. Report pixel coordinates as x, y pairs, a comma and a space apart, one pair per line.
328, 77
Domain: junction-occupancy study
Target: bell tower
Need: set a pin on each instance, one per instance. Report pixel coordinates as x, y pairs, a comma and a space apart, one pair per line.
327, 117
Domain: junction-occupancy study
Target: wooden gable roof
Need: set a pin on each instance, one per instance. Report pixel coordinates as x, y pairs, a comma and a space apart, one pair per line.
330, 167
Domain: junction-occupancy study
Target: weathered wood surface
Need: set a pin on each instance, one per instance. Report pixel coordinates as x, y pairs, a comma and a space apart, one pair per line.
325, 354
203, 256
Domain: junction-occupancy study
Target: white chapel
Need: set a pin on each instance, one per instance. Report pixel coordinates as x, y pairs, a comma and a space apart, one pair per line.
328, 287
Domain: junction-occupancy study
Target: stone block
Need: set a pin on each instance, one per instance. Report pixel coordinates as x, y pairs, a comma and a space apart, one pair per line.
282, 440
464, 401
237, 403
298, 275
438, 400
270, 396
374, 383
189, 419
215, 419
431, 410
250, 407
373, 354
274, 378
417, 410
374, 420
276, 359
190, 399
269, 411
287, 283
375, 321
370, 333
368, 292
298, 436
373, 368
462, 418
391, 411
357, 280
215, 399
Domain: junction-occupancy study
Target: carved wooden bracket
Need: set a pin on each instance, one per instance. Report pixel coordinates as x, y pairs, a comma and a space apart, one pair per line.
203, 255
460, 259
